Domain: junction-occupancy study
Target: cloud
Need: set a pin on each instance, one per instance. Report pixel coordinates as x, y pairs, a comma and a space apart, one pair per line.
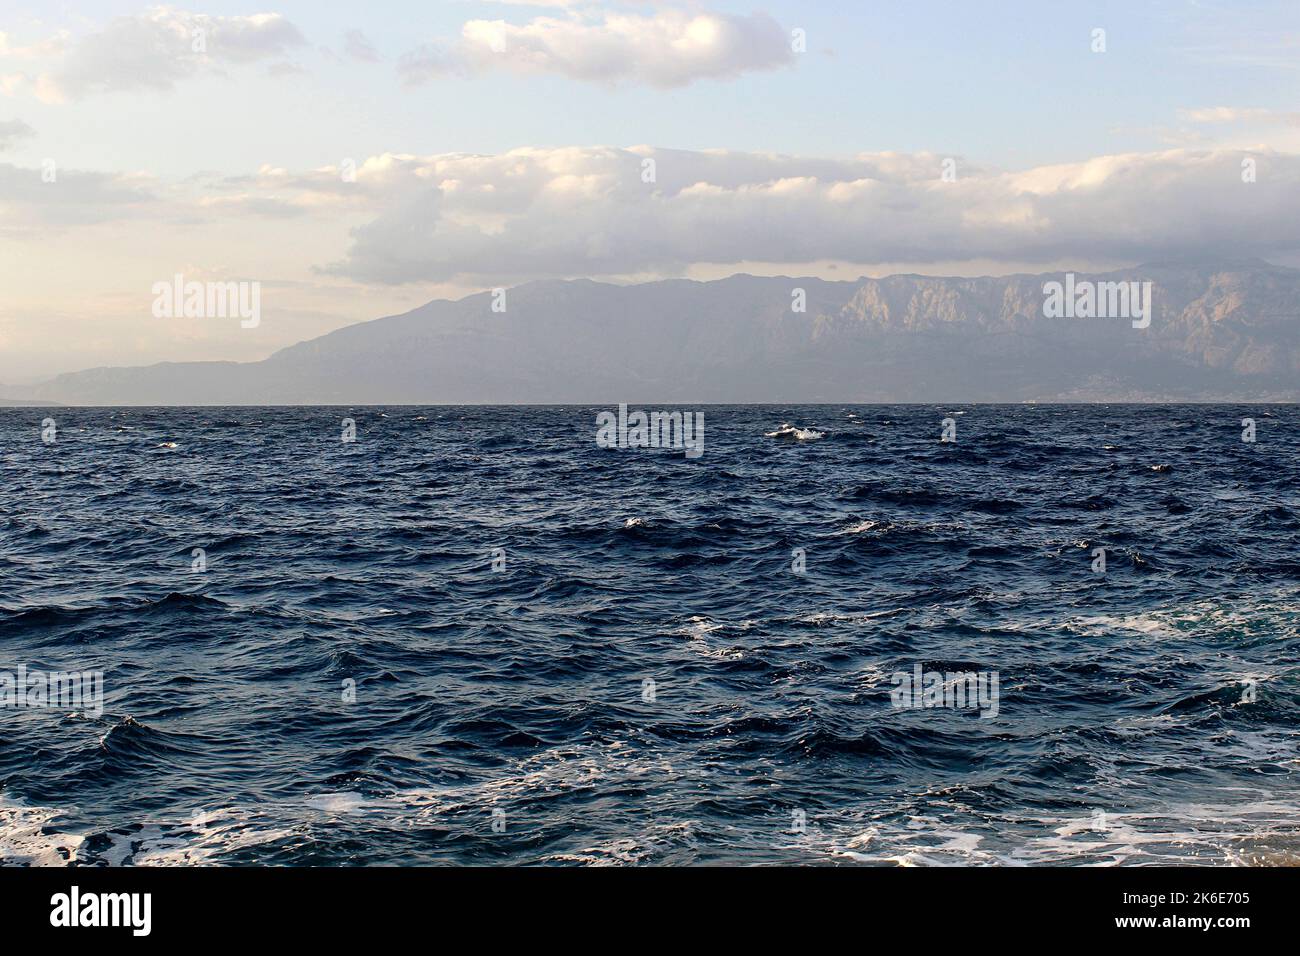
1240, 115
482, 220
50, 46
31, 206
426, 62
11, 131
158, 49
356, 46
589, 211
666, 49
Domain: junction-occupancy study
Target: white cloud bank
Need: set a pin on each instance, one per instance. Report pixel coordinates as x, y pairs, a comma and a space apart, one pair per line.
154, 50
588, 211
479, 220
1236, 115
669, 48
160, 48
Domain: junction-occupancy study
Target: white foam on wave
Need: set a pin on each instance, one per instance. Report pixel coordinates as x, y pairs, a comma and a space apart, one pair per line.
208, 836
1181, 834
29, 836
649, 845
347, 802
1100, 625
1259, 830
925, 843
1271, 615
556, 771
872, 675
860, 527
836, 617
794, 431
699, 628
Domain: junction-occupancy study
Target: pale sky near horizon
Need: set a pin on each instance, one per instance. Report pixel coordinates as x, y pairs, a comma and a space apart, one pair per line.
499, 142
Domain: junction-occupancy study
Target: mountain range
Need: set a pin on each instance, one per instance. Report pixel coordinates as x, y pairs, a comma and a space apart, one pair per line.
1221, 331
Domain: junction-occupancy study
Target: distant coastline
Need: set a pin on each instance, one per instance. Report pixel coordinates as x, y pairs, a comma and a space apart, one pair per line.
1219, 333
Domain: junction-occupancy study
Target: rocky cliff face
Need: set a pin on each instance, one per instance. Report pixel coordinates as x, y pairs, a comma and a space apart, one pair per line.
1220, 331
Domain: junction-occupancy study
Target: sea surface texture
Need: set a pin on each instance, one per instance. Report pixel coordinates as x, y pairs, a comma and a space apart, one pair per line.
473, 635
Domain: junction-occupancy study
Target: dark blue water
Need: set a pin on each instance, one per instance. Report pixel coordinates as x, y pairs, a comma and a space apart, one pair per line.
1146, 714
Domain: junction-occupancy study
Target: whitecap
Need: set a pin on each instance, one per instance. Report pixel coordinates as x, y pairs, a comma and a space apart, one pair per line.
859, 527
27, 836
795, 432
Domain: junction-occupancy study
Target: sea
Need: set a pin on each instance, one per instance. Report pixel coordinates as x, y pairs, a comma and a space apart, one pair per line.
839, 635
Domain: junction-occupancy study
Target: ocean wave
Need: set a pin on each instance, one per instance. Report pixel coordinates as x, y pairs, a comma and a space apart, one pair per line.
459, 614
795, 433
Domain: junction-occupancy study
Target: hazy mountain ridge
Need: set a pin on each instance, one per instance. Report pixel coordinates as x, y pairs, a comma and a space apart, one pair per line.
1226, 331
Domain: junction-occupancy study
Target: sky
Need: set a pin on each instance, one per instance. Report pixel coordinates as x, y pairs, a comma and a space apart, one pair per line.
357, 160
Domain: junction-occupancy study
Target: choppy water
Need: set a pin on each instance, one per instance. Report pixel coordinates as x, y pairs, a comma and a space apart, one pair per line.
225, 736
